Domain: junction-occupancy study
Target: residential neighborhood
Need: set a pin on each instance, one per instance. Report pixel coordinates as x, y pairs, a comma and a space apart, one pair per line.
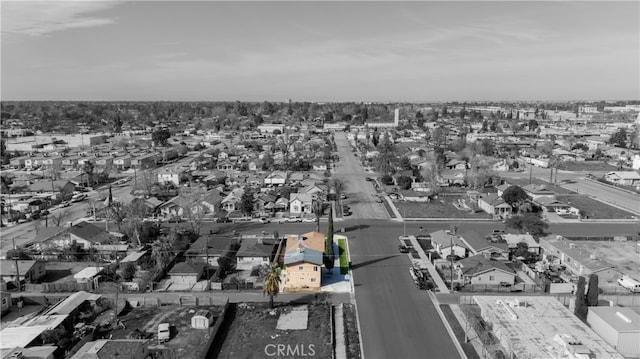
341, 180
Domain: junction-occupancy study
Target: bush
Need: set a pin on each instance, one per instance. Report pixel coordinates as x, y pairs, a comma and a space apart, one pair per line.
344, 260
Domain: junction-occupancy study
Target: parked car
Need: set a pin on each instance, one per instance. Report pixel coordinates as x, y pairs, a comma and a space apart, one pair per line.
164, 332
294, 219
403, 248
308, 220
78, 197
347, 213
368, 179
343, 196
263, 220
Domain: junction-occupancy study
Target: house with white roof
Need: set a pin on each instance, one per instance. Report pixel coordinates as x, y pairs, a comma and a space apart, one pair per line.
300, 203
623, 178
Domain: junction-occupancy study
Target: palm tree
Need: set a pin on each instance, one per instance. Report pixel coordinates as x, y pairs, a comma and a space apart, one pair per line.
272, 282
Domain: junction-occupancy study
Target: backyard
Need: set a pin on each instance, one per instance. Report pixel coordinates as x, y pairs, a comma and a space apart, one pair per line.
439, 208
142, 322
253, 332
594, 209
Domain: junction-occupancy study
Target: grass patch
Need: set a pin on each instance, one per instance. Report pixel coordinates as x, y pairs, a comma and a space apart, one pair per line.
521, 182
586, 166
595, 209
344, 261
435, 209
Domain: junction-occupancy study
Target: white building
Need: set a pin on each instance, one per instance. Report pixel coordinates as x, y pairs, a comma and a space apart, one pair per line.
618, 326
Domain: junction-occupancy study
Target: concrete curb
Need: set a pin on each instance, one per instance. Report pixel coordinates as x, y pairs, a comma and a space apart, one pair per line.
436, 304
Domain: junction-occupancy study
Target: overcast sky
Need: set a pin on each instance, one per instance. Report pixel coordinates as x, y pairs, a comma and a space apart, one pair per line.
320, 51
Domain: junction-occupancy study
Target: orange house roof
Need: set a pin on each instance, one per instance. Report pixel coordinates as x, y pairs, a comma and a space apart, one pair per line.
313, 240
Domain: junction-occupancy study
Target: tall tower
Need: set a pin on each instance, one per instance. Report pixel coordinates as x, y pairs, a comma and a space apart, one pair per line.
396, 118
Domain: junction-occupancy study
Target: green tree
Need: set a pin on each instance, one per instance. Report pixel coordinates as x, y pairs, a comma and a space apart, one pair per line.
128, 271
404, 182
87, 170
405, 163
528, 222
272, 282
247, 202
593, 291
329, 256
515, 196
619, 138
160, 137
581, 308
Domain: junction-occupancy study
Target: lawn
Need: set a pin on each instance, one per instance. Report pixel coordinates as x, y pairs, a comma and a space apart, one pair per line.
344, 261
595, 209
521, 182
435, 209
586, 166
254, 328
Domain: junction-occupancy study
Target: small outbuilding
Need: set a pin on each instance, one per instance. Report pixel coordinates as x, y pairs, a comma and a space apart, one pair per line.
202, 319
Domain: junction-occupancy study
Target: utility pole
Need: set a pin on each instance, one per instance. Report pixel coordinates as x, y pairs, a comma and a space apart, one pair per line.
15, 258
455, 231
530, 172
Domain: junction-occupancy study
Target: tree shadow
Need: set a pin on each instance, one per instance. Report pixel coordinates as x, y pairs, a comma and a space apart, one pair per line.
356, 228
372, 261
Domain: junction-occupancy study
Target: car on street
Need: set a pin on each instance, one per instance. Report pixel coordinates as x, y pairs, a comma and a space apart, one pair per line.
403, 248
308, 220
294, 219
368, 179
343, 196
347, 213
65, 204
78, 197
263, 220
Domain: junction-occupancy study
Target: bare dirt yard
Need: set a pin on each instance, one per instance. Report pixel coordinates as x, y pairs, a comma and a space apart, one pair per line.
253, 333
142, 322
624, 255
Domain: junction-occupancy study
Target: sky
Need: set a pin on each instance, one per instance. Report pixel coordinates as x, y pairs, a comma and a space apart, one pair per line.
323, 51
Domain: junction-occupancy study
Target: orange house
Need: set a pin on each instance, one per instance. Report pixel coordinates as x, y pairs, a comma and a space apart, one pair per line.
303, 261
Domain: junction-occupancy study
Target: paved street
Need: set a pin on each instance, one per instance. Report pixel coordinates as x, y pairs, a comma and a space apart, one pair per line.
360, 192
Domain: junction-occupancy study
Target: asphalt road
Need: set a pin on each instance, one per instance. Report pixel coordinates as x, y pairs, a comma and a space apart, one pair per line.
360, 193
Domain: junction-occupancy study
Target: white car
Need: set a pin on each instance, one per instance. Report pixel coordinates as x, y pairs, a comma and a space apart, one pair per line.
293, 219
308, 220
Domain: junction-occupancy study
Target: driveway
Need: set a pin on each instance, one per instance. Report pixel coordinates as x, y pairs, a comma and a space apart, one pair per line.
361, 194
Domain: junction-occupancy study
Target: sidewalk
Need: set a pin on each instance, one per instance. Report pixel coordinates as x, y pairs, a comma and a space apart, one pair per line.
393, 208
424, 262
338, 328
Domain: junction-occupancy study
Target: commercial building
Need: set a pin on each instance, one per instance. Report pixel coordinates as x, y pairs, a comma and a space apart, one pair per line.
541, 327
618, 326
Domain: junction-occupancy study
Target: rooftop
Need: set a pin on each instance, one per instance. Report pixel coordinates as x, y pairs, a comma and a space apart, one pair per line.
574, 251
531, 326
103, 349
622, 319
72, 302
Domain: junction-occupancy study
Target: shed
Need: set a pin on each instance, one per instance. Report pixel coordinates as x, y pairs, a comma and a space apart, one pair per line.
202, 319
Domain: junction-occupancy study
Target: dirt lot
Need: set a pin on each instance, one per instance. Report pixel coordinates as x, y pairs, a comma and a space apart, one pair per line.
352, 340
185, 343
254, 328
623, 255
